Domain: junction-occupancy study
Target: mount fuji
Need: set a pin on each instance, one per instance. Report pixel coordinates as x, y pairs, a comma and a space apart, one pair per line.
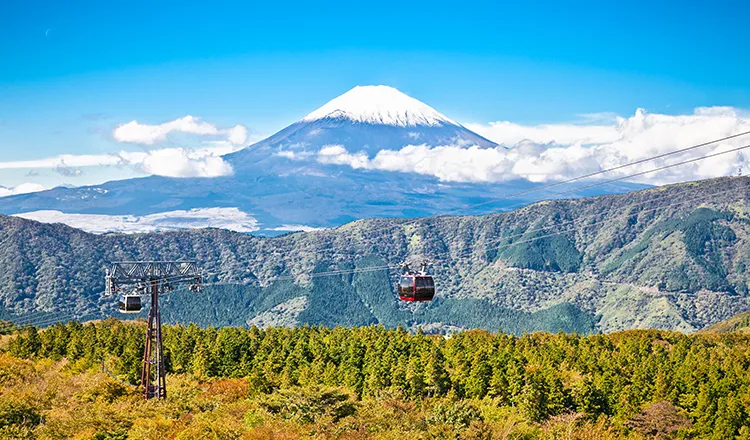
286, 182
368, 119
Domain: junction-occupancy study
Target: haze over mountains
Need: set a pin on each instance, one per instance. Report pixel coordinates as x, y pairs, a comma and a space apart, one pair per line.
358, 156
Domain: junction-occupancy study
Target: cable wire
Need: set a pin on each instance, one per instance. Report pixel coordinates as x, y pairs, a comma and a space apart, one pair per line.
460, 254
585, 176
384, 267
641, 173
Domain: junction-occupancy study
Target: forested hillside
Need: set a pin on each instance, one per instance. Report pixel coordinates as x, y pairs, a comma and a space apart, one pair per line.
735, 324
370, 382
673, 257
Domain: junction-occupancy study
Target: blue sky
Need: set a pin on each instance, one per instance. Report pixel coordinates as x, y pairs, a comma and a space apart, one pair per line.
72, 71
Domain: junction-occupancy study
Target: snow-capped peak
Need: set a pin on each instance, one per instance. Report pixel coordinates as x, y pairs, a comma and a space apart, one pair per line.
380, 105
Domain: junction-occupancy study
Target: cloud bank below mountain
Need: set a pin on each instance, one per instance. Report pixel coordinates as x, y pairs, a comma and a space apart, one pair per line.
23, 188
225, 218
552, 152
538, 153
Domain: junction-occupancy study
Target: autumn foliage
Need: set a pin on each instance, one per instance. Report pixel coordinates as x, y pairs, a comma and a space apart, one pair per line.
76, 381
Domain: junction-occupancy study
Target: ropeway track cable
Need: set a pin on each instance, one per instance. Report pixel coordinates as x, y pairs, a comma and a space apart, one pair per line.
641, 173
377, 268
592, 185
618, 179
572, 222
609, 170
575, 179
59, 318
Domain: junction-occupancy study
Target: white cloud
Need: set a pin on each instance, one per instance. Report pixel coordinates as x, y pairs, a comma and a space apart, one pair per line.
555, 152
23, 188
171, 162
145, 134
337, 155
224, 218
237, 135
178, 162
294, 155
509, 133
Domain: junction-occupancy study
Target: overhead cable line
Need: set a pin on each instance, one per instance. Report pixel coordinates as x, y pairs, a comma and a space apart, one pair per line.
582, 177
641, 173
573, 190
384, 267
460, 254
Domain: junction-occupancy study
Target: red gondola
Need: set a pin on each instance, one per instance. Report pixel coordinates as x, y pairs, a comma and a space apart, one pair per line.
416, 286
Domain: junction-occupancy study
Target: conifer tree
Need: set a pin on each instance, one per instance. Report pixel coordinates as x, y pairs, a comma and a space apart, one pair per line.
203, 364
478, 381
437, 380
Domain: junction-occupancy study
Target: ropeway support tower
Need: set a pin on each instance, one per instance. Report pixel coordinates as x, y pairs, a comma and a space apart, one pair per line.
152, 278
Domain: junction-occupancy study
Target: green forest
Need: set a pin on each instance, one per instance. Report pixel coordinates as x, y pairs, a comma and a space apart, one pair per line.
75, 381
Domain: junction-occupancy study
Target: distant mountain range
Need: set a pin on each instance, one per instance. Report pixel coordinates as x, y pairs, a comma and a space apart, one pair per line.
288, 182
673, 257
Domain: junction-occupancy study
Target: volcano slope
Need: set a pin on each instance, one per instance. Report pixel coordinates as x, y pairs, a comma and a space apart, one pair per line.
672, 257
351, 159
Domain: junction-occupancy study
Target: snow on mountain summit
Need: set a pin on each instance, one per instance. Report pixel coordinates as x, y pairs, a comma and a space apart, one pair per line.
380, 105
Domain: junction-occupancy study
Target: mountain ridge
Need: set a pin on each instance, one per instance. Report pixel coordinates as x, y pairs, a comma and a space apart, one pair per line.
671, 257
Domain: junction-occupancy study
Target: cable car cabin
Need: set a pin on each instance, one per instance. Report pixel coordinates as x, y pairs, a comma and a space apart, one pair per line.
416, 287
129, 304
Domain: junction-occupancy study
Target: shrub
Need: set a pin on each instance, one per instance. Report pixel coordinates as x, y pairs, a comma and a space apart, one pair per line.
308, 405
660, 420
19, 414
457, 414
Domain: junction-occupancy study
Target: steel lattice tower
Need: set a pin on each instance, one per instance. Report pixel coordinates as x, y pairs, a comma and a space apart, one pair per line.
153, 278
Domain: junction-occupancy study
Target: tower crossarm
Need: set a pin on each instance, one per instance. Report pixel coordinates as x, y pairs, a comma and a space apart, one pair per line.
167, 273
